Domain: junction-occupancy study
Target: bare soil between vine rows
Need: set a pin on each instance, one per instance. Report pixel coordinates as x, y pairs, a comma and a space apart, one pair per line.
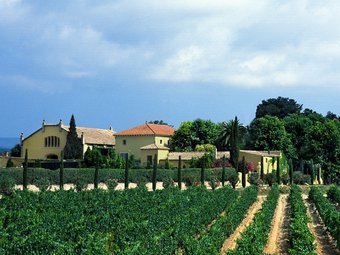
230, 242
325, 245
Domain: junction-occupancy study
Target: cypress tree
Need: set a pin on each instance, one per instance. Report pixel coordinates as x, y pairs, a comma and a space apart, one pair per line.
234, 143
154, 173
262, 168
73, 148
126, 183
96, 172
278, 174
24, 174
61, 172
290, 166
202, 169
243, 172
312, 172
302, 166
223, 170
179, 173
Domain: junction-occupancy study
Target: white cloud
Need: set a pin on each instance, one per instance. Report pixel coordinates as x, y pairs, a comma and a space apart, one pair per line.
229, 43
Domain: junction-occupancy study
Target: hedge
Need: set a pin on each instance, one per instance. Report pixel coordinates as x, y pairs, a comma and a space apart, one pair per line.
71, 175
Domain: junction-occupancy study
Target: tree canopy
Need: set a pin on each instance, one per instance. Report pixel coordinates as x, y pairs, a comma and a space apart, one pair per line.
193, 133
279, 107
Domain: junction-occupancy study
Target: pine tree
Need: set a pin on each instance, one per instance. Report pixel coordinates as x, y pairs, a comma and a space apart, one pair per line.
73, 148
61, 173
179, 177
24, 174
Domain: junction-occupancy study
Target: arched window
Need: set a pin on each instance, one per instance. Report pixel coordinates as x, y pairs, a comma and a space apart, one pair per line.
52, 141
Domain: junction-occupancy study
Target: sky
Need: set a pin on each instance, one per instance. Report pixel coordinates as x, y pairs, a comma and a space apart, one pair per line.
121, 63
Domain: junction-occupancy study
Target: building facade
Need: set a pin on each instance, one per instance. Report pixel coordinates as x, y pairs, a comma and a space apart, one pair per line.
49, 140
145, 142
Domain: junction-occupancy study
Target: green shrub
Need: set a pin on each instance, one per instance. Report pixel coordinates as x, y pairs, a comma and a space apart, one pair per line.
214, 182
9, 163
80, 184
141, 182
253, 178
300, 178
43, 184
7, 185
285, 178
168, 182
232, 177
270, 178
334, 194
111, 184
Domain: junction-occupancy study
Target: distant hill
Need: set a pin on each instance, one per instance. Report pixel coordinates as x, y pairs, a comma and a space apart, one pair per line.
7, 143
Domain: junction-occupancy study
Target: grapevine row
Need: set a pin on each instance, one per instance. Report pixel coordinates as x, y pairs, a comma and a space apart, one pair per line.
300, 237
328, 213
254, 238
211, 241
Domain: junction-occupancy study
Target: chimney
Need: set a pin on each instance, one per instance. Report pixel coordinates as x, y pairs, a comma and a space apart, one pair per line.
82, 138
60, 125
43, 125
21, 138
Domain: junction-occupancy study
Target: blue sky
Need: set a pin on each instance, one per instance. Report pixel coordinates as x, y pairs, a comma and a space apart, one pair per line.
121, 63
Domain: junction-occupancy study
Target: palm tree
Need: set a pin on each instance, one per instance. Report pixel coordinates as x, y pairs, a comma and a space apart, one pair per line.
223, 140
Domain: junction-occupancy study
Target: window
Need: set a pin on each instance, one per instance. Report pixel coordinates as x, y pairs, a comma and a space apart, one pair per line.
124, 142
52, 141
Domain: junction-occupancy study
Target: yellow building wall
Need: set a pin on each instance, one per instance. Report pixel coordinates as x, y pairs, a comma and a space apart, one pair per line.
35, 144
134, 143
161, 155
256, 160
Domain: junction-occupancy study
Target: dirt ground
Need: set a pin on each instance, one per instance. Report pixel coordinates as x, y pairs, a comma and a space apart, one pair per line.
278, 241
230, 243
325, 245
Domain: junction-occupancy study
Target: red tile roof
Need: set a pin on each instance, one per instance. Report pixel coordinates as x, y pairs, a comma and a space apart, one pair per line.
148, 129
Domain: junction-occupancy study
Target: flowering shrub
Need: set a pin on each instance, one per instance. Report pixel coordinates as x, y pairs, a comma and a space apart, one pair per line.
249, 166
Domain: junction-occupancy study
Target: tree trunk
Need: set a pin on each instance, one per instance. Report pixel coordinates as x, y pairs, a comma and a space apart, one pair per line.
223, 171
243, 172
126, 180
61, 172
278, 174
154, 173
179, 173
24, 174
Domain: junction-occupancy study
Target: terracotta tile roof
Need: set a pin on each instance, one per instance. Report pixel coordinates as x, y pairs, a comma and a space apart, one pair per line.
262, 153
195, 154
148, 129
96, 135
154, 147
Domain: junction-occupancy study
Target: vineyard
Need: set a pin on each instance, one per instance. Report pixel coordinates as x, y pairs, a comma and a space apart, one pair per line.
168, 221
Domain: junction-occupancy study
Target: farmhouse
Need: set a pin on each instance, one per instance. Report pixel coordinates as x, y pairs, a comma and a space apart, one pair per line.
144, 142
49, 140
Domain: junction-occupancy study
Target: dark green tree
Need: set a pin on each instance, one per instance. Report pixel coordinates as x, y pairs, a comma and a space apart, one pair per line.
234, 143
278, 171
193, 133
9, 163
16, 151
24, 174
224, 137
268, 133
279, 107
73, 148
96, 173
243, 172
126, 179
154, 173
61, 171
223, 170
203, 165
179, 173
